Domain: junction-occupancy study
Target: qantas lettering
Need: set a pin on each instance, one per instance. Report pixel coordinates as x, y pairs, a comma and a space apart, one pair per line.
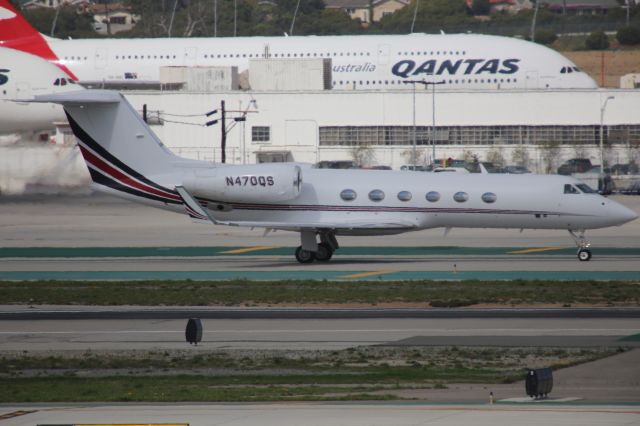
250, 181
407, 67
3, 78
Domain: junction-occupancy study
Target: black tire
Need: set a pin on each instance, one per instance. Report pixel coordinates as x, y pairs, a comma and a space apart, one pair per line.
324, 252
584, 255
304, 256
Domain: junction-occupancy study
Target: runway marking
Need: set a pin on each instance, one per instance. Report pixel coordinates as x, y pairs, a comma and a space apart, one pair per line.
536, 250
247, 250
367, 274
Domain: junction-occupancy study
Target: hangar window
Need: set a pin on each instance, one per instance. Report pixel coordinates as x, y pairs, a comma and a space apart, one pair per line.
260, 133
348, 195
570, 189
489, 197
433, 196
461, 197
404, 196
376, 195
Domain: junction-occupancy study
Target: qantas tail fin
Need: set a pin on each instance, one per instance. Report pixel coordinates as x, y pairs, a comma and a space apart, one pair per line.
122, 153
17, 33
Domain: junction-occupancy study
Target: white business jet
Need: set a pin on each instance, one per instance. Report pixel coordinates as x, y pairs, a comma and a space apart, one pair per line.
460, 61
125, 158
21, 77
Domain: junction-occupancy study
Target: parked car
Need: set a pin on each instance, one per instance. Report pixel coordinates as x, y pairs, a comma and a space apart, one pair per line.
516, 170
336, 165
575, 165
413, 168
632, 189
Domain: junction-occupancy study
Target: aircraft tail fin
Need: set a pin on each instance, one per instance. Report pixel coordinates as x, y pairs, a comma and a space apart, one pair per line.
120, 150
17, 33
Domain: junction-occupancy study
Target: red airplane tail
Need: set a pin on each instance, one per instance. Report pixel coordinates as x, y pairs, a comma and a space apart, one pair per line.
17, 33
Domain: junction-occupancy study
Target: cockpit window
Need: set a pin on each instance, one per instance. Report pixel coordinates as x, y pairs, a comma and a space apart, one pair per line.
563, 70
570, 189
586, 188
57, 82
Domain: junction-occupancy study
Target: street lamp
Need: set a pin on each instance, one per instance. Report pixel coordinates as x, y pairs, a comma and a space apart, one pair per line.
433, 116
602, 108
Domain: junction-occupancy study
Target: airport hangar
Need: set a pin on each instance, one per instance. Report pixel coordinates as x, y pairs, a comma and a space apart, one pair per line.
293, 116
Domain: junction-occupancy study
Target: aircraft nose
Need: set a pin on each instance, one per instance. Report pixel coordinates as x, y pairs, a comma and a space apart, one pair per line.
622, 214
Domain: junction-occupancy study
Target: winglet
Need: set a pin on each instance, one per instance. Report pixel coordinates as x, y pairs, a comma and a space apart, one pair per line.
194, 209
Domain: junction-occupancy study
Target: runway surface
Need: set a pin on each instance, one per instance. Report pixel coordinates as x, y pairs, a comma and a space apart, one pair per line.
318, 333
383, 414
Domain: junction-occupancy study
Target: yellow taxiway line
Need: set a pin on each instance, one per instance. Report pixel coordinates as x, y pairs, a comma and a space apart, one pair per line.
367, 274
248, 250
536, 250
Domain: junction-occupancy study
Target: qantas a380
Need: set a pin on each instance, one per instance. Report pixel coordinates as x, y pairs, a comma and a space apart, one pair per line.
126, 159
462, 61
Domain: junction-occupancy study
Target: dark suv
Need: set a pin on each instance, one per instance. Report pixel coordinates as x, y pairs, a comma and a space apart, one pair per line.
575, 165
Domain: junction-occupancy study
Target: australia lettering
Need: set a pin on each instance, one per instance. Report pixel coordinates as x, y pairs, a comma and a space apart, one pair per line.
249, 180
3, 78
366, 67
408, 67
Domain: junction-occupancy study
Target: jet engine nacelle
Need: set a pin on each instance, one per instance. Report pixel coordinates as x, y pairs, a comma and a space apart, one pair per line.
257, 183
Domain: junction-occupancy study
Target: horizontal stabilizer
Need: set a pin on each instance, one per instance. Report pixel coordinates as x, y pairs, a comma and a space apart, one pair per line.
80, 97
193, 208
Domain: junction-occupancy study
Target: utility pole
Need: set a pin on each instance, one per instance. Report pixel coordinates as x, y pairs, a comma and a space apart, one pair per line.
223, 131
533, 21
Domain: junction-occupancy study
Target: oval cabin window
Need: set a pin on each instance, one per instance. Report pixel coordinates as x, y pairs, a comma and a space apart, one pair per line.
489, 197
433, 196
404, 196
376, 195
461, 197
348, 195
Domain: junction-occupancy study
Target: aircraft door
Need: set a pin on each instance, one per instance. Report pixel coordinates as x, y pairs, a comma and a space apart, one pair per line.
531, 80
383, 54
101, 59
190, 55
23, 91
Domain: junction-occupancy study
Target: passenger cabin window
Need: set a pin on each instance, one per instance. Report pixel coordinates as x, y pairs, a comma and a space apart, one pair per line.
433, 196
489, 197
461, 197
570, 189
376, 195
348, 195
404, 196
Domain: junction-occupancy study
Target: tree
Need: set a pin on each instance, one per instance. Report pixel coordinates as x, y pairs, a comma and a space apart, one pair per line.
494, 155
544, 36
629, 35
362, 155
597, 40
550, 153
69, 23
480, 7
520, 156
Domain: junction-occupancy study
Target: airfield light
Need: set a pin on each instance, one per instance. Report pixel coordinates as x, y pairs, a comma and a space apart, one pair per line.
602, 109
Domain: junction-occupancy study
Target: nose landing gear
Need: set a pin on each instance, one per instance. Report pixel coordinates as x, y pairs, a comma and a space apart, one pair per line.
584, 254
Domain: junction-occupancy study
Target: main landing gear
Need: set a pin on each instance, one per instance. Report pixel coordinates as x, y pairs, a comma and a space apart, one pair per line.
311, 250
584, 254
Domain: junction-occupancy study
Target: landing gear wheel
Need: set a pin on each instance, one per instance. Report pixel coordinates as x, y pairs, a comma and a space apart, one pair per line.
324, 252
304, 256
584, 255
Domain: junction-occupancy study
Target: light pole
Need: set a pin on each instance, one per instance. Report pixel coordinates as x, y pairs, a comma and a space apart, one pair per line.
433, 116
602, 108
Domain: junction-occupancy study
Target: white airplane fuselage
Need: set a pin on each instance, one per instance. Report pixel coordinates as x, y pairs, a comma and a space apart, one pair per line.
23, 76
461, 61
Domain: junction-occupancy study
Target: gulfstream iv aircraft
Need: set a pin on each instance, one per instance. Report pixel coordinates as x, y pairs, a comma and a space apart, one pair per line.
462, 61
125, 158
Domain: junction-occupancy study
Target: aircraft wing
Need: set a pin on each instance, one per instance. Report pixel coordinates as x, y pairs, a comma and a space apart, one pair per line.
199, 213
345, 226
